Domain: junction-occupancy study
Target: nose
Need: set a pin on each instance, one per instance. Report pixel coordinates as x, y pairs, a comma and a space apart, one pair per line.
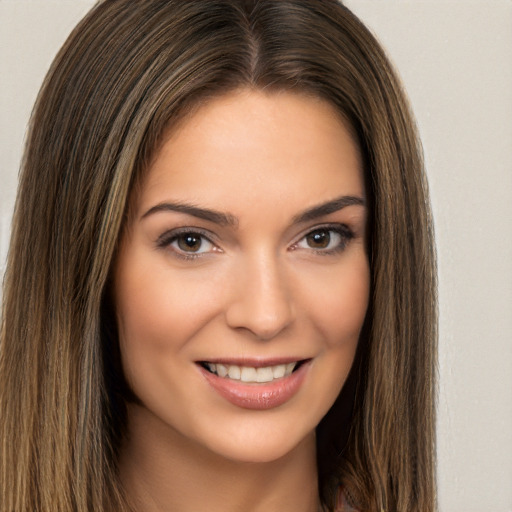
260, 301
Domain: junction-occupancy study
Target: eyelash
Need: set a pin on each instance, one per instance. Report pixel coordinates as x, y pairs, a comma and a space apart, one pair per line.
169, 237
342, 230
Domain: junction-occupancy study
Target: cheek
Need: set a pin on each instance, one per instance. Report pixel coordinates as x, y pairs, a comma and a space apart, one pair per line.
339, 313
159, 307
158, 312
340, 305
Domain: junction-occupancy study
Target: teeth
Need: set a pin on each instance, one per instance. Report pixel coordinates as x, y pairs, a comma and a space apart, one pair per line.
289, 368
279, 371
249, 374
222, 370
234, 372
264, 375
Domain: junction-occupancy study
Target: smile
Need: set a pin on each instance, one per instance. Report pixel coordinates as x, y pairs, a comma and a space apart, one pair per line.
251, 374
256, 387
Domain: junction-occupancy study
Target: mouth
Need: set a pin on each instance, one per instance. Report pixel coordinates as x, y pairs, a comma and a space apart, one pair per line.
252, 374
257, 385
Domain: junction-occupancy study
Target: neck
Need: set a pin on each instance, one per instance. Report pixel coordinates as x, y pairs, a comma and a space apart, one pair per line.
161, 470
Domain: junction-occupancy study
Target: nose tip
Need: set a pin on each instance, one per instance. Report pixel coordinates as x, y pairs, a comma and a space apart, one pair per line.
261, 303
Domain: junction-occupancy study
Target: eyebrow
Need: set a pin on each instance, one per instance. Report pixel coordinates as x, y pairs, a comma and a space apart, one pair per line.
329, 207
227, 219
223, 219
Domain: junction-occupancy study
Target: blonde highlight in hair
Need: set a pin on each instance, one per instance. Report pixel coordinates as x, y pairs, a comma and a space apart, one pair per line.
129, 72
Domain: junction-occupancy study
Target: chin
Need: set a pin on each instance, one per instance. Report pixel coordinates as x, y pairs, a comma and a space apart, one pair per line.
259, 443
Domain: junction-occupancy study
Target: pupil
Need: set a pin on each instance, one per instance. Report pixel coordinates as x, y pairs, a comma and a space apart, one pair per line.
319, 239
189, 243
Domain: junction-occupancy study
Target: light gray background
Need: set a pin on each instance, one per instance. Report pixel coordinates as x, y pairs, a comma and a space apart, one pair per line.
455, 58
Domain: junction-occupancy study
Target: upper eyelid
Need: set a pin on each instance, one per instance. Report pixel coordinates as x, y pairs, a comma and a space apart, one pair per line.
330, 226
168, 235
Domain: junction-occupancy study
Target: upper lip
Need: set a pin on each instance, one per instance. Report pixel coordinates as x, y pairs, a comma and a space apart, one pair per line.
253, 362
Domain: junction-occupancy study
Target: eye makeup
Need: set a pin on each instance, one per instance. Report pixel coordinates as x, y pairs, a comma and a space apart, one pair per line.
190, 243
187, 243
325, 240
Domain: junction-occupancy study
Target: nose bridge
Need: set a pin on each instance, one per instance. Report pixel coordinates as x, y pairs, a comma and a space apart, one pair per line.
261, 300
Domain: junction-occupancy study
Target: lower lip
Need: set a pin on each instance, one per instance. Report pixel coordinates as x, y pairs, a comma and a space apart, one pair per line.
258, 396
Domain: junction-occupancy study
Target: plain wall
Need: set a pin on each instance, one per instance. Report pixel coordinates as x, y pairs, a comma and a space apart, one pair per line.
455, 58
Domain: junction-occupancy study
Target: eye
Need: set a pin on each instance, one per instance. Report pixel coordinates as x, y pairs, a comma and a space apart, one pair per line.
326, 240
187, 244
192, 242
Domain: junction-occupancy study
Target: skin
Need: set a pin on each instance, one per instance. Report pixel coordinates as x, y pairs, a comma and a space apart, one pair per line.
260, 286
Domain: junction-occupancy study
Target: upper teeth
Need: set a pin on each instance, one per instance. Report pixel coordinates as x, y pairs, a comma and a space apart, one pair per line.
249, 374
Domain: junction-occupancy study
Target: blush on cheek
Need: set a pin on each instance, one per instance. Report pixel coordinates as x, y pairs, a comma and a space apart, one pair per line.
342, 319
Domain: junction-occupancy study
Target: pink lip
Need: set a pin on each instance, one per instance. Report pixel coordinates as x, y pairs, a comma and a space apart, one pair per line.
258, 396
254, 362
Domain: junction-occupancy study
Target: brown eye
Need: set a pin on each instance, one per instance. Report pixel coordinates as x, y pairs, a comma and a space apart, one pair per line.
189, 242
186, 244
319, 239
326, 240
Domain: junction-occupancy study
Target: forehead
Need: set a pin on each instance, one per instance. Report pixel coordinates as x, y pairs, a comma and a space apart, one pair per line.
251, 146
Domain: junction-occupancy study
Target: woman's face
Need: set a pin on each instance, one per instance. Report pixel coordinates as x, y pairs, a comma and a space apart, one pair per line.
246, 256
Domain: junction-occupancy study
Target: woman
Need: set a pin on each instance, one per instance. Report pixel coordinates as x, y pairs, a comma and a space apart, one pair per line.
220, 293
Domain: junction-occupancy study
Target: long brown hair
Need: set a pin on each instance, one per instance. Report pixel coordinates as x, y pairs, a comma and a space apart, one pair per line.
128, 71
